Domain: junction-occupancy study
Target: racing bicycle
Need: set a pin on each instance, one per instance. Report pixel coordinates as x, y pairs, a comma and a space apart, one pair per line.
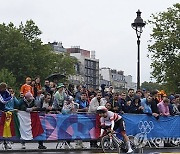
110, 143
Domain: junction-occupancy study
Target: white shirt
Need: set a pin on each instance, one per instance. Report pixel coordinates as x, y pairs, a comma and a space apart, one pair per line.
94, 104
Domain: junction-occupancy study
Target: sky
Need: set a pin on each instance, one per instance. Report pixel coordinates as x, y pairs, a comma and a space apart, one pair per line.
103, 26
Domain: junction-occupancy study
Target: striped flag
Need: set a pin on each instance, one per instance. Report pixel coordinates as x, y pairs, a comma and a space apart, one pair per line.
21, 124
8, 125
30, 125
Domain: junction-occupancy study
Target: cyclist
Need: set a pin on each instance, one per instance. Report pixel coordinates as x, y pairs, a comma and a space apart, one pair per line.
113, 121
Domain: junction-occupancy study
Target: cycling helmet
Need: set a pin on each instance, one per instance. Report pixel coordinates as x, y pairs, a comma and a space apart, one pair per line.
101, 109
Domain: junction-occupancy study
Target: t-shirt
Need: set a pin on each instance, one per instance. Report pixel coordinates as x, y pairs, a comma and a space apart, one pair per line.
110, 117
82, 104
26, 88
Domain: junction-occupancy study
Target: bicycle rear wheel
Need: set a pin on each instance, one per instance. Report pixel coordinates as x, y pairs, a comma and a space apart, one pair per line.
109, 145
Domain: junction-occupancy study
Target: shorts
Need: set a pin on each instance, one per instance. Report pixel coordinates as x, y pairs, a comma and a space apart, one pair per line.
120, 124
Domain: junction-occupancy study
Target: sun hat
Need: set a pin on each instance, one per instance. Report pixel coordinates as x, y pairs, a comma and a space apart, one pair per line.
60, 85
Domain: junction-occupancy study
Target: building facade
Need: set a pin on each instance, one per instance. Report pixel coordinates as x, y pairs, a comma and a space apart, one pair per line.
130, 84
113, 77
88, 66
57, 47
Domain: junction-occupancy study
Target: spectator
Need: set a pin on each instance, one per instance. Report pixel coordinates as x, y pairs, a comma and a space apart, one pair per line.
94, 104
146, 103
136, 105
115, 103
45, 104
128, 107
103, 86
37, 88
161, 93
83, 107
12, 103
176, 110
172, 100
108, 105
122, 102
59, 97
110, 92
68, 106
33, 85
27, 87
78, 93
47, 88
163, 107
130, 95
5, 96
91, 94
28, 104
139, 94
70, 90
9, 106
144, 93
53, 87
154, 103
106, 98
83, 103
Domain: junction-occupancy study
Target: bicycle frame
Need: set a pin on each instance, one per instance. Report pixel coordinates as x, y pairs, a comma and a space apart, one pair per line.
111, 143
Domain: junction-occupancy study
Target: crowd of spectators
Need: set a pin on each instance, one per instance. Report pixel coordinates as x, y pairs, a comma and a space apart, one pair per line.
51, 97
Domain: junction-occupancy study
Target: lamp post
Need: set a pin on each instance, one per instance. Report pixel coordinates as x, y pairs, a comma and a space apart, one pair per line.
137, 26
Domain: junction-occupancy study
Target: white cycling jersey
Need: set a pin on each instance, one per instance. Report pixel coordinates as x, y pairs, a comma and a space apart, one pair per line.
110, 117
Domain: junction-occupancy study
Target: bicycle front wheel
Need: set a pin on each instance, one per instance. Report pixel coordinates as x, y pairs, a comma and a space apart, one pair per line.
110, 145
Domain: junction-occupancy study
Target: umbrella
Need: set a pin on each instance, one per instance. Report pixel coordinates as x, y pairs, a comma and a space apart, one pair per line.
55, 76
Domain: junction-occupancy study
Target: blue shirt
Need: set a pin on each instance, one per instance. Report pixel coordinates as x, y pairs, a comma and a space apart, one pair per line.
147, 107
82, 104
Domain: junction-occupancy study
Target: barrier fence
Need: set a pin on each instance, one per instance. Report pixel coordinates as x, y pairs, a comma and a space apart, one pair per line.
84, 126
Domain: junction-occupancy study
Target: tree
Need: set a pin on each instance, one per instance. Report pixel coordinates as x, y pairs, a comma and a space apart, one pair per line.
23, 53
150, 86
7, 77
165, 48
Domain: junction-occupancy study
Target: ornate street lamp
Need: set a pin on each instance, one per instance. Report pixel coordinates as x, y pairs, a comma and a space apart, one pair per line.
137, 26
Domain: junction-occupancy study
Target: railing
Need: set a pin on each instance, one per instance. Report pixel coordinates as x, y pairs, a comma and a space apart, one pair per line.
84, 126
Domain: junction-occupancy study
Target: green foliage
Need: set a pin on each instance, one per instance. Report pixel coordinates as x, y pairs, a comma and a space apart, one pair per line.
150, 86
165, 48
7, 77
23, 53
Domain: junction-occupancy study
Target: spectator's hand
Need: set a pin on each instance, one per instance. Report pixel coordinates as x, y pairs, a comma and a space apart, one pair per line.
34, 108
29, 109
141, 108
121, 112
58, 112
155, 114
129, 103
21, 95
13, 94
16, 110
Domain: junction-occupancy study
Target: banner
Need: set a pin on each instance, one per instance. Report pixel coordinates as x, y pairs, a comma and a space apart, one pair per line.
149, 125
84, 126
69, 127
